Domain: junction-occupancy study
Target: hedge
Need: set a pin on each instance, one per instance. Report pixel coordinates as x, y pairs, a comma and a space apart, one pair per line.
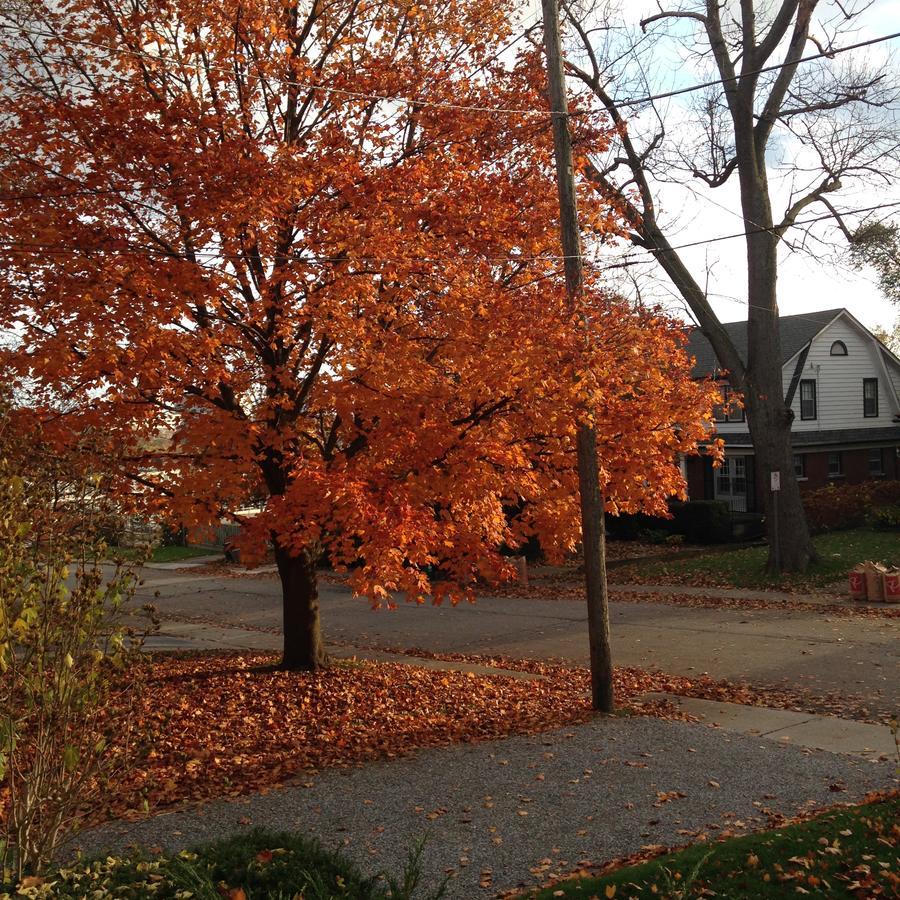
873, 503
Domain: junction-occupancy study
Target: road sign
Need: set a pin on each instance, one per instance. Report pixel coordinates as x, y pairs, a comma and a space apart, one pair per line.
776, 481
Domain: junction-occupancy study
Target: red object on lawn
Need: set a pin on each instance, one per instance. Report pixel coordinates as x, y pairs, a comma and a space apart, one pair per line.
892, 586
858, 584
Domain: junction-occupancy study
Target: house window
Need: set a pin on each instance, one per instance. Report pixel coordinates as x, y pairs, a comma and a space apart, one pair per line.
728, 410
807, 399
733, 482
723, 478
800, 465
870, 398
838, 348
876, 461
739, 481
835, 464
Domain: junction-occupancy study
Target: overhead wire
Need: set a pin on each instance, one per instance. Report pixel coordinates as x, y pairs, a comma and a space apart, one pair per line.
14, 246
421, 102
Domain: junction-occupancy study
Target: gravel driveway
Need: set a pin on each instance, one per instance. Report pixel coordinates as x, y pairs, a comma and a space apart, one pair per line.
493, 812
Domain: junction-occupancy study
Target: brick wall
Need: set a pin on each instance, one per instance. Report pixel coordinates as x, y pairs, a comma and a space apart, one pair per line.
855, 468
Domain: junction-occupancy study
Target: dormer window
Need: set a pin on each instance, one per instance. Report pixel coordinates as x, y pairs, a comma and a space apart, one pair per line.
838, 348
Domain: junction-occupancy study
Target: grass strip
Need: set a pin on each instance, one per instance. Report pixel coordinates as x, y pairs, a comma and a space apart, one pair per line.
847, 852
839, 551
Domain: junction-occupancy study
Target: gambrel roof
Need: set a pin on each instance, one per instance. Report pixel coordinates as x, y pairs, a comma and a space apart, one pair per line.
796, 332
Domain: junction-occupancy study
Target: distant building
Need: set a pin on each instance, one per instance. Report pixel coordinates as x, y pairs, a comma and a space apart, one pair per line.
842, 384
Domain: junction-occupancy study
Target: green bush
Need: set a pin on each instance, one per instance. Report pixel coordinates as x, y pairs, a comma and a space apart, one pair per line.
885, 518
258, 865
702, 521
635, 526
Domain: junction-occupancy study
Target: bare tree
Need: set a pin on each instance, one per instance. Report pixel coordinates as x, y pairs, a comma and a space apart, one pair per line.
788, 129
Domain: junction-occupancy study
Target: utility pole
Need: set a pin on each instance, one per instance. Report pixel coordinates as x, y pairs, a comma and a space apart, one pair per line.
592, 525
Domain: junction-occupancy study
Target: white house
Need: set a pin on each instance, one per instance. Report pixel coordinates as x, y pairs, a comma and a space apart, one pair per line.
843, 386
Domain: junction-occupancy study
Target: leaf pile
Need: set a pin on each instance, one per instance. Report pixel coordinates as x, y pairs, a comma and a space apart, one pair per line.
225, 725
631, 683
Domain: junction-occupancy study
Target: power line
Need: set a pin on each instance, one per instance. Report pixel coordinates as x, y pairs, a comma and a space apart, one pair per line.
828, 54
746, 232
749, 231
56, 249
360, 95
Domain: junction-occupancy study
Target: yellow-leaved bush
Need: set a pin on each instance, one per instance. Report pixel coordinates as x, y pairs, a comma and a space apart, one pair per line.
65, 651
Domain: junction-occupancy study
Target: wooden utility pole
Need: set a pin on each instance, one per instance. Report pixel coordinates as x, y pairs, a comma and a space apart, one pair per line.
592, 526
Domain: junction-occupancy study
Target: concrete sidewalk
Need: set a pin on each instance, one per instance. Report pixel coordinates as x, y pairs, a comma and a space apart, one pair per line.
800, 729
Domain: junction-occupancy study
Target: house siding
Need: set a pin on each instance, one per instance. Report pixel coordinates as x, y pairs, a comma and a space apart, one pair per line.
839, 382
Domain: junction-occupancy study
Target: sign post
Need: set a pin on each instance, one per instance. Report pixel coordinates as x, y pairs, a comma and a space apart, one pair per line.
775, 485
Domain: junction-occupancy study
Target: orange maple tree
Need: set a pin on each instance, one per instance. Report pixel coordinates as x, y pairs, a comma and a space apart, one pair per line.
306, 256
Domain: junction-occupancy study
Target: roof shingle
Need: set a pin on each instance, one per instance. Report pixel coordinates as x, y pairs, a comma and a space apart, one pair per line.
796, 332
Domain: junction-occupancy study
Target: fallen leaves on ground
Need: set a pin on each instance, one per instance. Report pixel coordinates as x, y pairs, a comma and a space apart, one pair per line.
571, 588
223, 725
224, 569
712, 601
632, 682
704, 687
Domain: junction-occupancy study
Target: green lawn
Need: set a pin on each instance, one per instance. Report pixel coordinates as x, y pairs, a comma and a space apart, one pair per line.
173, 554
161, 554
847, 853
839, 552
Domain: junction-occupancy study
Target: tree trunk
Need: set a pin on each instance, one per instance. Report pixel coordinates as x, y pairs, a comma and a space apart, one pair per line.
790, 546
593, 540
768, 416
303, 646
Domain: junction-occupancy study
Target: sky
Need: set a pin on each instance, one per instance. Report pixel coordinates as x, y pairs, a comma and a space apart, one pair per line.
808, 281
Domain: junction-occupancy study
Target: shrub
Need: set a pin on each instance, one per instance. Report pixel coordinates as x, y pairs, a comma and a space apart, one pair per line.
884, 518
61, 640
702, 521
634, 526
850, 505
255, 865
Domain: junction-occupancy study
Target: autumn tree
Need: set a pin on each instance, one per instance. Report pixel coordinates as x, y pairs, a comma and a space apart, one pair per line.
793, 135
307, 253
